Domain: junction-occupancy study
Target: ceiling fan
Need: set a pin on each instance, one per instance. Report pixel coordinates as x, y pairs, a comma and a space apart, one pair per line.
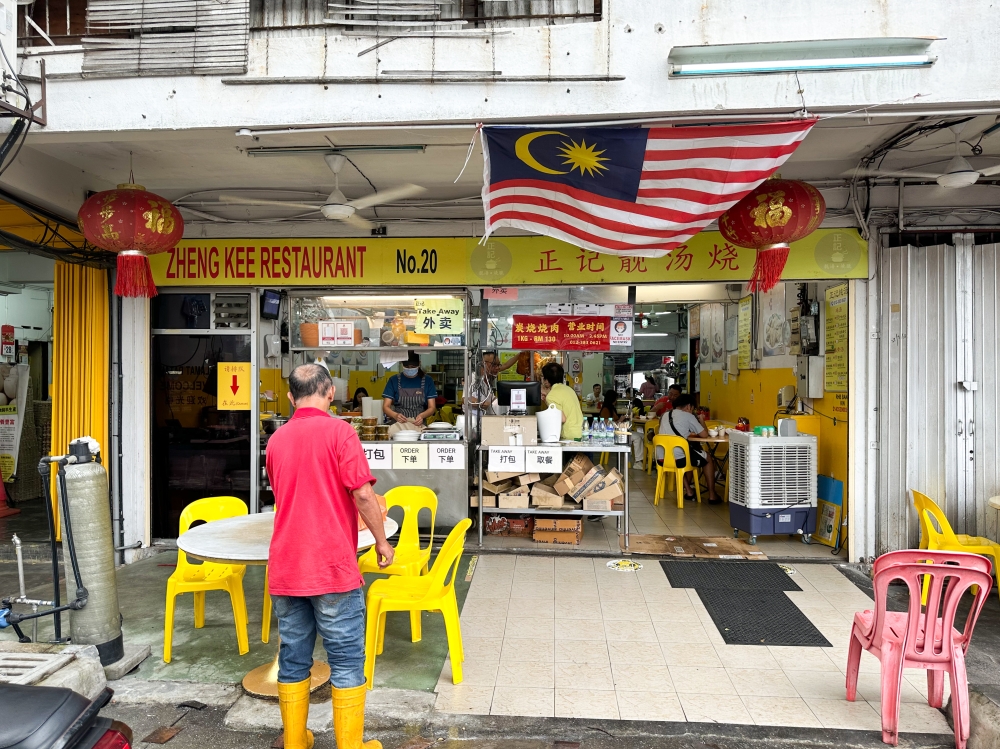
337, 206
958, 172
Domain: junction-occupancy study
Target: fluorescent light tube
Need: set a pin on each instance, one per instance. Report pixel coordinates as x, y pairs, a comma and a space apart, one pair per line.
827, 64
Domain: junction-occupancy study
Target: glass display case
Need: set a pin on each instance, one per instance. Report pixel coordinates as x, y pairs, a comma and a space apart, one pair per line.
412, 321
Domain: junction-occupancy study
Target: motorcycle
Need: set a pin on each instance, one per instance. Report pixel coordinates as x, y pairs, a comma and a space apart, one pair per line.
57, 718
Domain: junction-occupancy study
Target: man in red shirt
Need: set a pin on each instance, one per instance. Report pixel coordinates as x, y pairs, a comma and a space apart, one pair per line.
665, 403
321, 481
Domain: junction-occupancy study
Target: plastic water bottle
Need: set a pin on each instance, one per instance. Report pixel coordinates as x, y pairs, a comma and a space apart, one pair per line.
606, 432
585, 437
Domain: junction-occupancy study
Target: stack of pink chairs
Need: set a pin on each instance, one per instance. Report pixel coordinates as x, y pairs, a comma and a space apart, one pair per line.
923, 637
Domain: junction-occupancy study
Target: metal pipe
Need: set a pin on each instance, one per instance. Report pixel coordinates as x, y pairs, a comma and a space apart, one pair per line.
20, 565
899, 219
81, 592
46, 474
854, 113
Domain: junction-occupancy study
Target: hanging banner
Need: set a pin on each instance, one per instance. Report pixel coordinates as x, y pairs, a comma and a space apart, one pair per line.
561, 333
498, 262
836, 340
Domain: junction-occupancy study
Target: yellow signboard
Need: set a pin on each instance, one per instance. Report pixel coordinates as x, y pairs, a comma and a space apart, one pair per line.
836, 339
500, 261
233, 392
743, 332
440, 316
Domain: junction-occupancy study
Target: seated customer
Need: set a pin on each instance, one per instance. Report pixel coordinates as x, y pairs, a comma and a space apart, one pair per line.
594, 397
665, 403
681, 422
635, 403
609, 409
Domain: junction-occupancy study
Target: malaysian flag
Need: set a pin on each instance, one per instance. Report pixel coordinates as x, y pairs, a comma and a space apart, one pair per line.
627, 191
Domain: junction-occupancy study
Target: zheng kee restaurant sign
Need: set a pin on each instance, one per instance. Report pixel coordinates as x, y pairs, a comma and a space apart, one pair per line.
501, 261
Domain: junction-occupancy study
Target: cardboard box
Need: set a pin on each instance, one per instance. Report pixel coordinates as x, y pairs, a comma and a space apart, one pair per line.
489, 500
559, 524
562, 538
495, 477
613, 493
504, 525
594, 477
574, 473
528, 478
500, 488
501, 430
598, 505
510, 501
547, 500
539, 488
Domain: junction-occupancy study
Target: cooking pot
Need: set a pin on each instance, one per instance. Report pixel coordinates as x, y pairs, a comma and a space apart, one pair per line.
272, 423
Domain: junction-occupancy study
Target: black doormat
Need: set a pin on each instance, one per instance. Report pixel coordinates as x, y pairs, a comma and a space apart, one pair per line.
728, 575
760, 617
747, 602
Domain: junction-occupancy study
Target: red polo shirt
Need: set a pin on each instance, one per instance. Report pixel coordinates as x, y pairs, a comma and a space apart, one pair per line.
314, 462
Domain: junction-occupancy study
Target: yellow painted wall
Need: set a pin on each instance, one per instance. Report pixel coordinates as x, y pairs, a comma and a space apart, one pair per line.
731, 401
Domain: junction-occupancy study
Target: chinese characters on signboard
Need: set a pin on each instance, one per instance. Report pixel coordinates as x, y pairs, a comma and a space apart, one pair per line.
561, 333
440, 316
836, 339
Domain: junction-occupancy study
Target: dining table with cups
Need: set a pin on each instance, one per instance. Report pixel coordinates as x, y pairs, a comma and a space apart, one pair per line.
717, 436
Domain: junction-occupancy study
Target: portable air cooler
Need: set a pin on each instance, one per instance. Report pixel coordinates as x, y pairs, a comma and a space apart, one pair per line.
772, 485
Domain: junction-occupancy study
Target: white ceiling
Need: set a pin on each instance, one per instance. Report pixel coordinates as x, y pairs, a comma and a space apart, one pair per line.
193, 166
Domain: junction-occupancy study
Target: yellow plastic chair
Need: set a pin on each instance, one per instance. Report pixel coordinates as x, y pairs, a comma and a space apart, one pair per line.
669, 467
434, 591
604, 459
946, 539
265, 627
410, 558
448, 413
651, 428
199, 578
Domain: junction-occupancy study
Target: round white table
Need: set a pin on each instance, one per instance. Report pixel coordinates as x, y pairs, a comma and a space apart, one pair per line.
247, 540
994, 502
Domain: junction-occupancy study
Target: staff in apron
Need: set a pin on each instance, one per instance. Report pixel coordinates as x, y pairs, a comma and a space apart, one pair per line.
409, 396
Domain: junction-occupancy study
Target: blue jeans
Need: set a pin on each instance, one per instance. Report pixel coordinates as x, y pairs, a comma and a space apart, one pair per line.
340, 620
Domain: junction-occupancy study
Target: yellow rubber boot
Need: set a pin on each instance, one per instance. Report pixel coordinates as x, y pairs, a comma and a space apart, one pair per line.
349, 718
294, 702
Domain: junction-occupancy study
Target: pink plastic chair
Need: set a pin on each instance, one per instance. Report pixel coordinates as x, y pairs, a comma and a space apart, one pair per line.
925, 636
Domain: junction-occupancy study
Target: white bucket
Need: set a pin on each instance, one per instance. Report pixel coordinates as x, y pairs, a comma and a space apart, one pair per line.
368, 408
549, 423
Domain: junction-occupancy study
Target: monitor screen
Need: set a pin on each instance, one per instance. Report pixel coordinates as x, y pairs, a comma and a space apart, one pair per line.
533, 392
270, 304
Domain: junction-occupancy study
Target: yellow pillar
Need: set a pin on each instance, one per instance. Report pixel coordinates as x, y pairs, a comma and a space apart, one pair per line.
80, 359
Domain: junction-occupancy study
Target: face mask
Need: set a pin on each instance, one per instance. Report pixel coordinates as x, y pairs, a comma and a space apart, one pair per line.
410, 371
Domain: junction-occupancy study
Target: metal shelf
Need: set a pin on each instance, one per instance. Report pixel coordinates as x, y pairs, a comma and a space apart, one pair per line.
551, 511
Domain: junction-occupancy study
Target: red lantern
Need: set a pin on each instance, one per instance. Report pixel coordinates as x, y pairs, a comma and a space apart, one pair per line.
774, 214
134, 223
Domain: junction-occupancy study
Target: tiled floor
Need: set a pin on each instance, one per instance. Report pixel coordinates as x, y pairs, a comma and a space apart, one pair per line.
567, 637
667, 519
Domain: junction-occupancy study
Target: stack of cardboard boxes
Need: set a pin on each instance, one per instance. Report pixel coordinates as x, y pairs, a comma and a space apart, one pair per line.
581, 485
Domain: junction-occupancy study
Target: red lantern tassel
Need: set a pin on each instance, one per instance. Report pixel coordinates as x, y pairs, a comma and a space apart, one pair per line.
769, 267
134, 277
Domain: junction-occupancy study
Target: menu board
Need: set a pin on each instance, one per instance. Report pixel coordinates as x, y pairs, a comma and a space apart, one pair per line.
561, 333
744, 331
836, 339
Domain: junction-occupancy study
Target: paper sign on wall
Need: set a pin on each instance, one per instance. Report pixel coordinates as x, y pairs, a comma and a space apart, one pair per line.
500, 292
233, 386
621, 332
744, 328
444, 456
409, 456
542, 459
440, 316
508, 459
378, 456
836, 339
